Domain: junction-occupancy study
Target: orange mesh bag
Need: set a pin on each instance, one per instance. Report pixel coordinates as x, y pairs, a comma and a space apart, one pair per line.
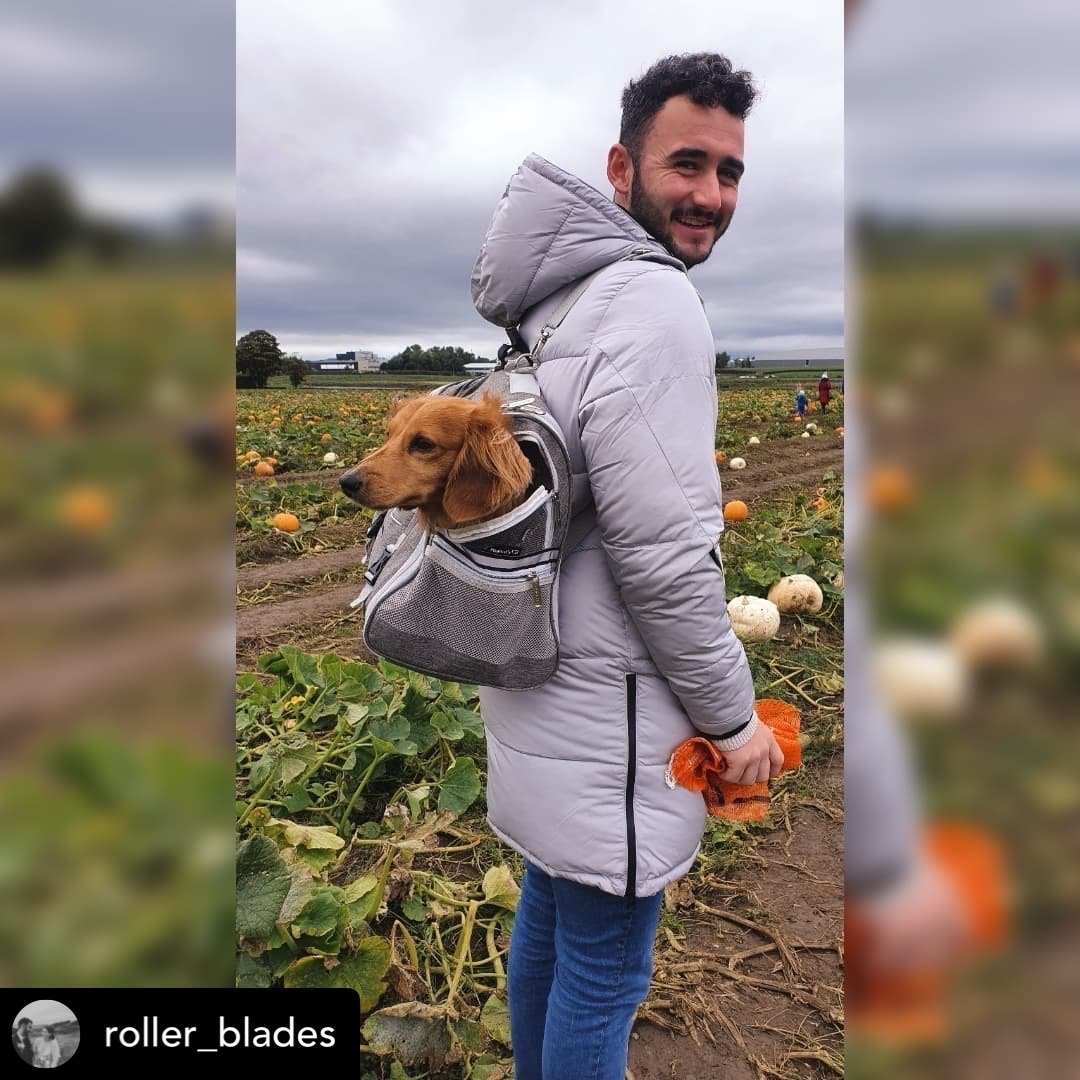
697, 764
912, 1005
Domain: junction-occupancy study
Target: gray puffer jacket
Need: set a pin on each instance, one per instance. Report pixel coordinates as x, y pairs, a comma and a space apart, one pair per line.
648, 657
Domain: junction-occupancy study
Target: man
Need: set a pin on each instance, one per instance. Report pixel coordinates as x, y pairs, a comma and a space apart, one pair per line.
647, 657
24, 1045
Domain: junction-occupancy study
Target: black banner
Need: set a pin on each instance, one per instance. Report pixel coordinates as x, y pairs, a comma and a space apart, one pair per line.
89, 1028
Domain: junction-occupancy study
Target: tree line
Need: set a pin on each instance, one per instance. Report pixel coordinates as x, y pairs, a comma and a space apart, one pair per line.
259, 356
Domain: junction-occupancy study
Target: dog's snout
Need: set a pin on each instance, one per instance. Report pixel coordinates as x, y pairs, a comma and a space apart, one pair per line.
351, 484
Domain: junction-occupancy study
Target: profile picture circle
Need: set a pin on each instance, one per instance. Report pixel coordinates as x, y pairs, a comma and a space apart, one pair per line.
45, 1033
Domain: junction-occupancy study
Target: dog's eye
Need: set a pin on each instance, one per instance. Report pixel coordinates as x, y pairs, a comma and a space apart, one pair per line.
421, 444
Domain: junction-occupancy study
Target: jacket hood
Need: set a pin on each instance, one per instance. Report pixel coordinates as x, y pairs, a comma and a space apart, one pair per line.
550, 229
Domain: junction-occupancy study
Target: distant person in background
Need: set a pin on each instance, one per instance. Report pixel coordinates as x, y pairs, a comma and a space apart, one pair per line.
800, 401
824, 391
20, 1038
47, 1055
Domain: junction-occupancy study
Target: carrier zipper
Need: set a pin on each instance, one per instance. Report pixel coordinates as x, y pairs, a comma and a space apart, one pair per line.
538, 598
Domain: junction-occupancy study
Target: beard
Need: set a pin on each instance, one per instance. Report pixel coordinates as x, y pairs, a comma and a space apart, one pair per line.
656, 221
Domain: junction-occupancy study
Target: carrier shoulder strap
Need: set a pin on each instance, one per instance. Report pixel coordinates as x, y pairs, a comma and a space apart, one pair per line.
573, 296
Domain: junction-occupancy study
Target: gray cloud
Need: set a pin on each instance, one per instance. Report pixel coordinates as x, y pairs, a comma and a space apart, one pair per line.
964, 109
374, 141
118, 86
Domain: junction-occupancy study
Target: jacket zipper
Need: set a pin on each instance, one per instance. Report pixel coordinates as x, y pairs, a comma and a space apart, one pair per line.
631, 775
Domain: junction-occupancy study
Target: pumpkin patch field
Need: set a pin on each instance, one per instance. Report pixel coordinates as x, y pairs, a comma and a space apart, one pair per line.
364, 858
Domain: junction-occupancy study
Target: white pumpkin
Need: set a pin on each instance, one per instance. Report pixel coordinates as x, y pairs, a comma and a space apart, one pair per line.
754, 441
797, 594
329, 458
812, 428
737, 463
998, 633
806, 434
921, 677
753, 618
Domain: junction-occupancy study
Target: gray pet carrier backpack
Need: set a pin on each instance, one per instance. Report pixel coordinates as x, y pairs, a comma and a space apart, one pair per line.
479, 604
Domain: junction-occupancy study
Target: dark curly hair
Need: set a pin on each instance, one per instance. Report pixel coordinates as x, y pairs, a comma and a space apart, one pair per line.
708, 79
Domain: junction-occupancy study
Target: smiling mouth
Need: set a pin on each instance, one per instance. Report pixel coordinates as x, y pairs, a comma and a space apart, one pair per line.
689, 224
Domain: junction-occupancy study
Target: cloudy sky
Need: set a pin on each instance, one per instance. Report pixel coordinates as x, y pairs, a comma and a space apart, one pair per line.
374, 139
964, 109
133, 101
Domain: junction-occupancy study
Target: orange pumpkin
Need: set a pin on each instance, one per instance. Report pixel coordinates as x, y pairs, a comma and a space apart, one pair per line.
736, 510
721, 458
264, 468
890, 488
285, 521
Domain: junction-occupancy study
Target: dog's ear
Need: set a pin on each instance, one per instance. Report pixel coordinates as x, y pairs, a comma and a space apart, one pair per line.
489, 469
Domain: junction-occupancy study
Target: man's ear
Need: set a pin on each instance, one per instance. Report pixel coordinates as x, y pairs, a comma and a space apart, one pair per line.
620, 173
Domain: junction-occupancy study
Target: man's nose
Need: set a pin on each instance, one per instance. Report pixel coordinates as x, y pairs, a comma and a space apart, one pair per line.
708, 192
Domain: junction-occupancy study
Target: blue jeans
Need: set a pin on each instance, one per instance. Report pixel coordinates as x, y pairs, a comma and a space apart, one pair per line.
580, 964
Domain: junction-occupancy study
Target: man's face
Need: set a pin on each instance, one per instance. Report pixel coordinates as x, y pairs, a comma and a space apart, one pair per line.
683, 188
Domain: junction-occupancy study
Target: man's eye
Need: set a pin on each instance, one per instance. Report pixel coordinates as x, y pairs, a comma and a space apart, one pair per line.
421, 444
686, 165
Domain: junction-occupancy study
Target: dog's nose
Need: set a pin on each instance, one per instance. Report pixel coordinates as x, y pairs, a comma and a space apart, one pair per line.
351, 484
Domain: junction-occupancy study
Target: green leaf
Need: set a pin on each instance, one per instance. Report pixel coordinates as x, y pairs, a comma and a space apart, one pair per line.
355, 714
363, 972
322, 913
415, 910
486, 1067
367, 891
451, 694
500, 888
460, 786
253, 972
291, 768
330, 665
415, 1033
262, 883
416, 797
297, 798
352, 690
315, 837
262, 770
760, 575
301, 889
303, 668
423, 735
447, 726
470, 1034
495, 1016
470, 722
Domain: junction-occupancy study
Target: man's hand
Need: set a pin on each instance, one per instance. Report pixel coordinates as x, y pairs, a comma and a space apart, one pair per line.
919, 924
757, 761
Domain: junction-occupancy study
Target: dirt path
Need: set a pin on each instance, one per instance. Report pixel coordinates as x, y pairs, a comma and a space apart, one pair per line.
759, 964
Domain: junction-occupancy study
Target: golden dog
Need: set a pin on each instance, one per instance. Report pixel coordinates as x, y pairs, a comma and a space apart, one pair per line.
453, 460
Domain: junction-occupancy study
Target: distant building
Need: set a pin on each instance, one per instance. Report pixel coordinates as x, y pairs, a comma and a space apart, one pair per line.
823, 359
481, 366
355, 360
